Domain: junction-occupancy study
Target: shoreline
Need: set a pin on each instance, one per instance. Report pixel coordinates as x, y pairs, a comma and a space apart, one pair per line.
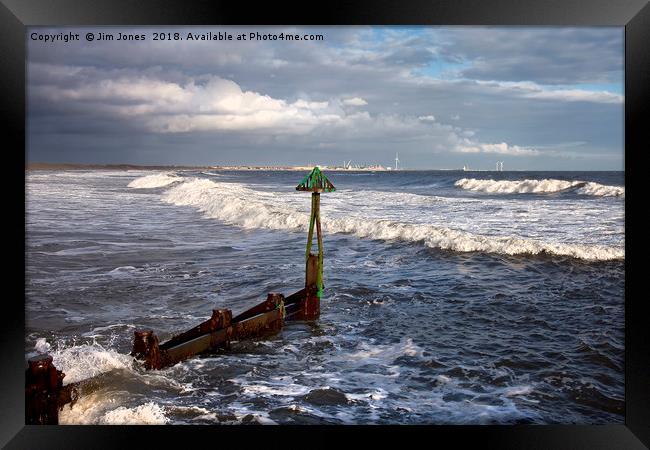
76, 166
125, 167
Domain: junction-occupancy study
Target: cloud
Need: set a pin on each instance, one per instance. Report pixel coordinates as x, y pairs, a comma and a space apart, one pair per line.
214, 104
355, 101
575, 95
514, 150
218, 105
533, 90
285, 99
545, 55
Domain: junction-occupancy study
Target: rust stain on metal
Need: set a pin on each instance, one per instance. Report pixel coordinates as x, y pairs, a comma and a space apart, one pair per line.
265, 306
42, 384
308, 303
220, 319
263, 324
45, 394
146, 348
261, 320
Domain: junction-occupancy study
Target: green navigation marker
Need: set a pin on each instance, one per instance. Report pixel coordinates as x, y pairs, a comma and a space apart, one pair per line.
316, 182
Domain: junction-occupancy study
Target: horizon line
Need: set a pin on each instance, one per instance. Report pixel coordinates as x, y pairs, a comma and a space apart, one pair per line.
128, 166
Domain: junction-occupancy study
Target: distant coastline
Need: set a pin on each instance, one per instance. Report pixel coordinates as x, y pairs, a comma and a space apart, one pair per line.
75, 166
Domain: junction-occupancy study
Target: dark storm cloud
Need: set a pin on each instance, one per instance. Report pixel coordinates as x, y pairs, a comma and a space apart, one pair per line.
362, 93
550, 55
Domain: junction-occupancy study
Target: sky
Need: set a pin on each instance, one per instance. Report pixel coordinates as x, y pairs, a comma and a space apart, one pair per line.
535, 98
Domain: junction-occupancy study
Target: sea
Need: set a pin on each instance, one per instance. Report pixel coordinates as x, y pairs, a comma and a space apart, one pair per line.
450, 297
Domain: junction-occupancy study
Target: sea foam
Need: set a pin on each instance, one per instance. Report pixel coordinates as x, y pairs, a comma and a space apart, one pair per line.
100, 409
88, 360
601, 190
82, 362
238, 205
154, 181
546, 186
146, 414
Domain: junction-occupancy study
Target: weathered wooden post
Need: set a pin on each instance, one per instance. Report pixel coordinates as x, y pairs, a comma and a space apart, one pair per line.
43, 383
309, 309
45, 394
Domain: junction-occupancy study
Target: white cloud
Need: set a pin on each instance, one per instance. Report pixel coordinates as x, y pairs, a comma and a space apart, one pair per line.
289, 97
310, 105
467, 146
169, 107
211, 103
354, 101
167, 103
576, 95
528, 89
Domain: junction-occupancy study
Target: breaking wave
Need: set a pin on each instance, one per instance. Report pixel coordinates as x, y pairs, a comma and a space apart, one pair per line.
545, 186
601, 190
85, 361
154, 181
238, 205
95, 409
81, 362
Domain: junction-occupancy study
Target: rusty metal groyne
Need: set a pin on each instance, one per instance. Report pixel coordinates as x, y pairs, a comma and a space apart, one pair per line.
45, 394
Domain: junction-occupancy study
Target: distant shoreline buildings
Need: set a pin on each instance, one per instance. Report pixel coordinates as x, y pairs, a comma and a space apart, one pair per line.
346, 166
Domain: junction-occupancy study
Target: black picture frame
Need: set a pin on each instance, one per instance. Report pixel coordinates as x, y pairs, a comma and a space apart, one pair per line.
15, 15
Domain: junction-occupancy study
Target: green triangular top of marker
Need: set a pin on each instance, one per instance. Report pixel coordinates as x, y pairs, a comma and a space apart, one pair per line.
316, 181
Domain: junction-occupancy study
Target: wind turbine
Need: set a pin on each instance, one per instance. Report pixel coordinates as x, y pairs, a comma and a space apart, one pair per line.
396, 160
